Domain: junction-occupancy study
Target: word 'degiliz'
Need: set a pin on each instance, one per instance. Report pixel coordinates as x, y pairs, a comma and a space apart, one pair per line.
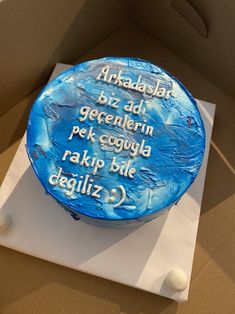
82, 185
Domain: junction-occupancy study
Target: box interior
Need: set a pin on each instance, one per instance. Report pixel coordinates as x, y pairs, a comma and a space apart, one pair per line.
36, 36
74, 31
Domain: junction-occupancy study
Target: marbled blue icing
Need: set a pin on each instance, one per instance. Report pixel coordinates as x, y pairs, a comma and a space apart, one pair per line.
177, 142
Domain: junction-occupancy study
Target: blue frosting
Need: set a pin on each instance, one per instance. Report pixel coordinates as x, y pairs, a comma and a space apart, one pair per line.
177, 141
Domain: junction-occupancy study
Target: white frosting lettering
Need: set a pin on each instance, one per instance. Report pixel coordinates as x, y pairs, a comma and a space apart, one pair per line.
83, 160
159, 90
133, 118
121, 144
123, 168
111, 101
72, 185
82, 132
124, 123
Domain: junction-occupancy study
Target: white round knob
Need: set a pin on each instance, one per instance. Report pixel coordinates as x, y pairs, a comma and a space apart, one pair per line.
177, 279
5, 221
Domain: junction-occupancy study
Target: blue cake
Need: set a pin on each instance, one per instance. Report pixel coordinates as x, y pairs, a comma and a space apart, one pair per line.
115, 141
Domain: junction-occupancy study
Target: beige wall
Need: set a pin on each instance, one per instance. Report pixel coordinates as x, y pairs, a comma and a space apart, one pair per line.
34, 35
214, 56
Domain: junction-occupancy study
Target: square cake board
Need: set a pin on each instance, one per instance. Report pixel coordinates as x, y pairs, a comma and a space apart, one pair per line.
139, 257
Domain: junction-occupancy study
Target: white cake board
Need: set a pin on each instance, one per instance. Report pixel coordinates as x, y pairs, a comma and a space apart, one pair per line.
140, 257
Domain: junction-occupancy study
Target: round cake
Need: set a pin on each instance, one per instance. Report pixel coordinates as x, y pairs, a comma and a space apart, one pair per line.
116, 141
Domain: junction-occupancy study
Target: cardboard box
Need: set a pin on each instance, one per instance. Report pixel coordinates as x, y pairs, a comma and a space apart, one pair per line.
36, 35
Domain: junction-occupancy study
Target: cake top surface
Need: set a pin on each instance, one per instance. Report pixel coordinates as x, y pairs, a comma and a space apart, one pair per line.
115, 138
